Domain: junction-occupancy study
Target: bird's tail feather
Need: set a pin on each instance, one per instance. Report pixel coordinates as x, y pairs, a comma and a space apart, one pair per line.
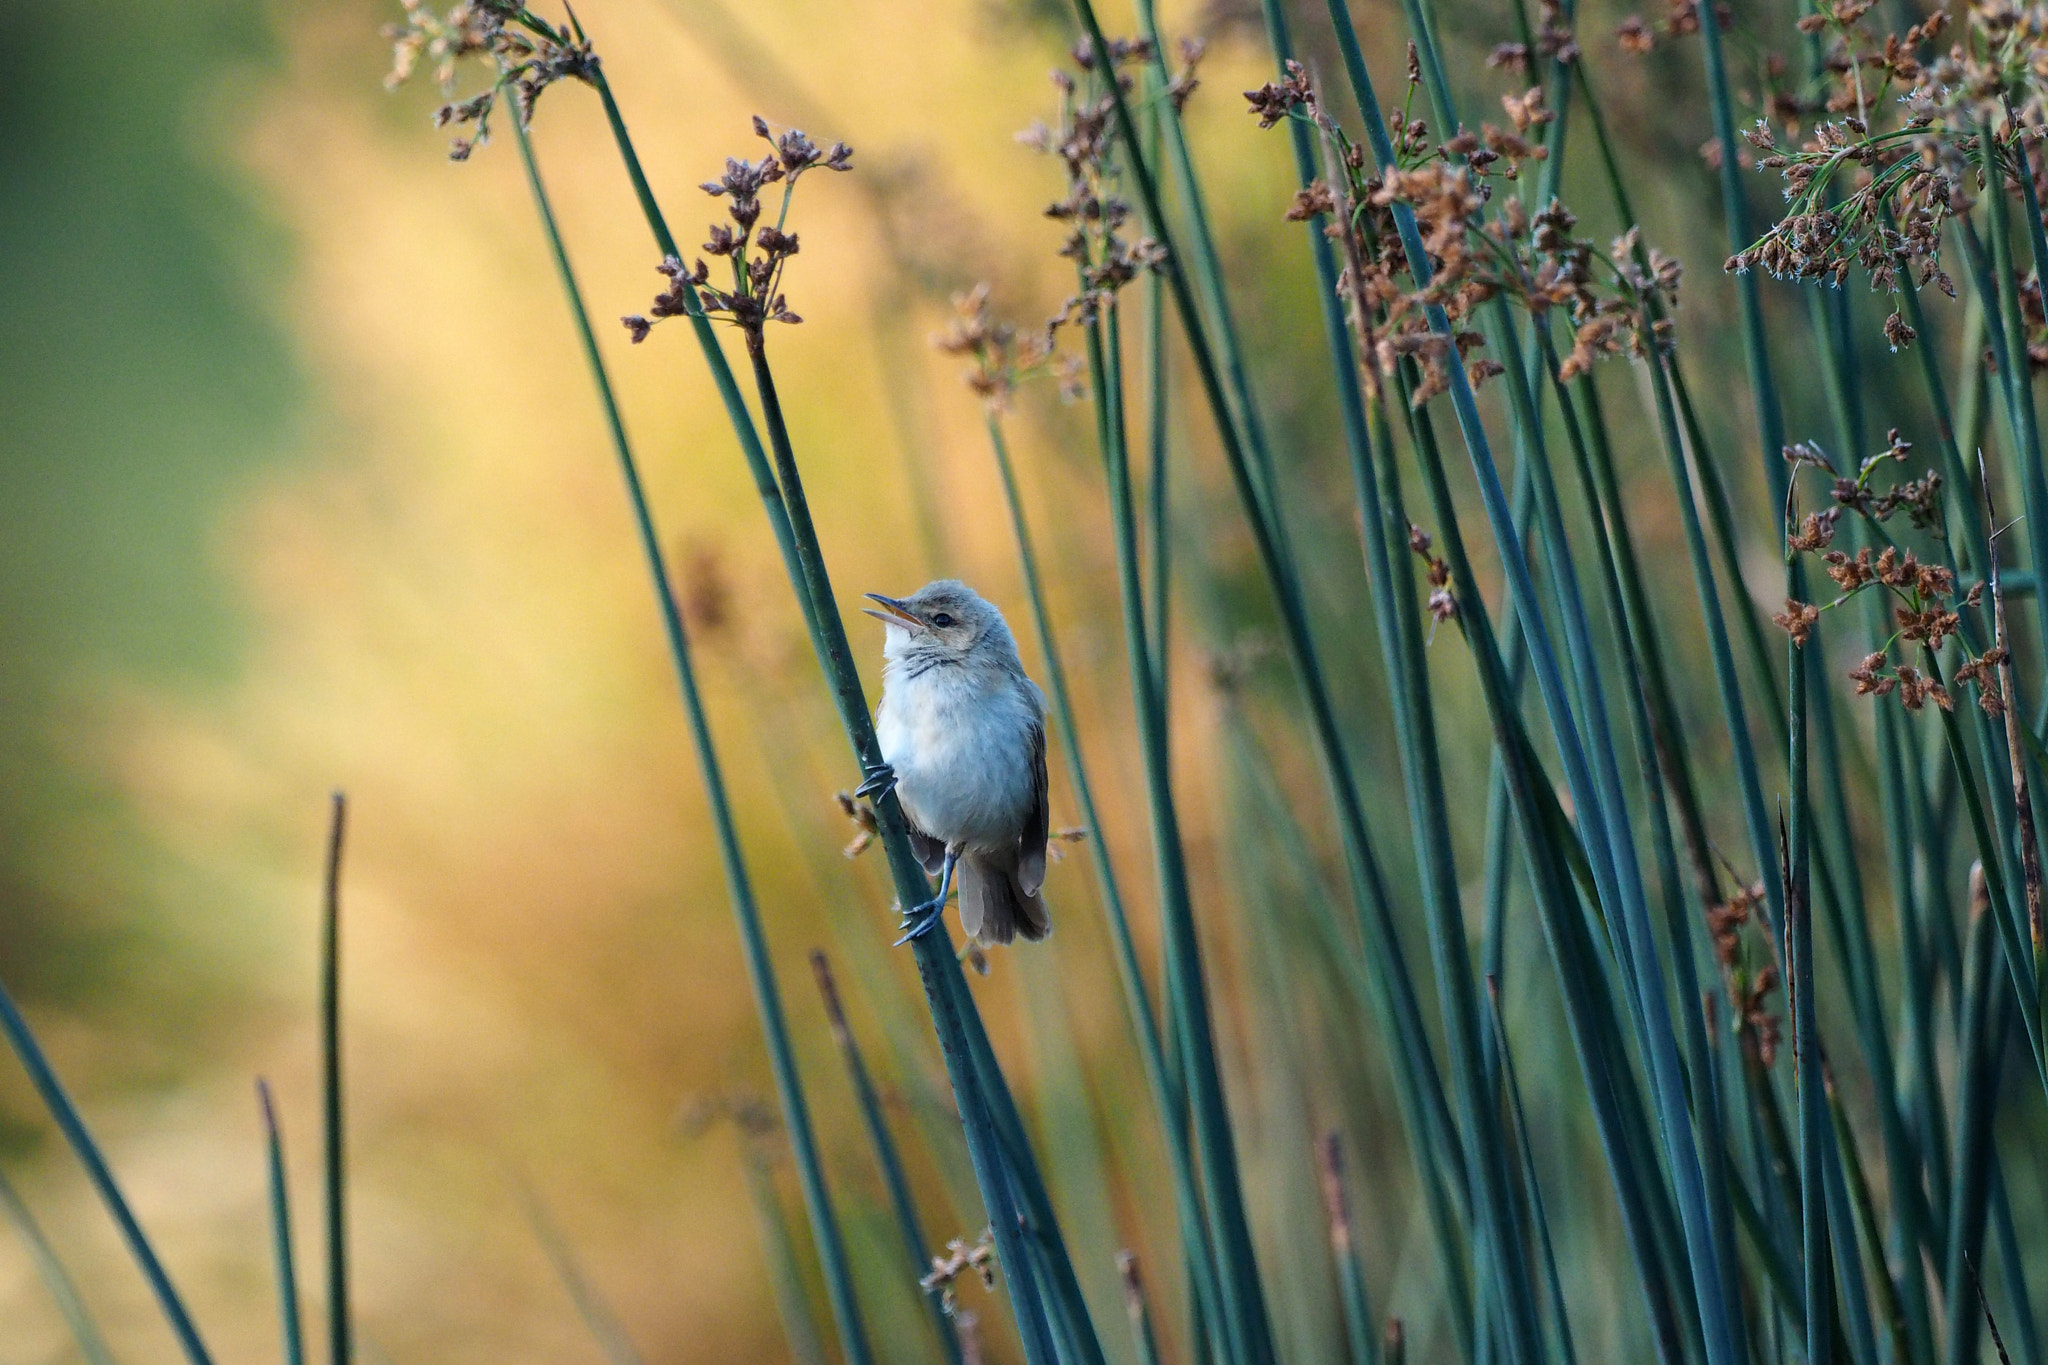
994, 907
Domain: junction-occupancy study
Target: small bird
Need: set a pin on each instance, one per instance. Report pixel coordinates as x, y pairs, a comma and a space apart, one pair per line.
962, 732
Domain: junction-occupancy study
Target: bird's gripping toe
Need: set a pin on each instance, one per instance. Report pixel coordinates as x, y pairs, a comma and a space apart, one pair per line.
922, 918
880, 782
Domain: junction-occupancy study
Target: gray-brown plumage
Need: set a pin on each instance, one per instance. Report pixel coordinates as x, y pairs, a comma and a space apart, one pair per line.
962, 731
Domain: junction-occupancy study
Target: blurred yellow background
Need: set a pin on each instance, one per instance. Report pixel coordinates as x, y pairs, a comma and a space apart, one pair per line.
306, 488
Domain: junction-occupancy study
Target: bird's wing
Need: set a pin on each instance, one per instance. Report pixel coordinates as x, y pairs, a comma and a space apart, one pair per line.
931, 853
1031, 844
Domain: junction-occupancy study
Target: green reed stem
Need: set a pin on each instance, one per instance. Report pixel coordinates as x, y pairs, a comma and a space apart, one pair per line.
1389, 571
1137, 998
938, 969
1244, 1324
2022, 418
739, 889
72, 1125
281, 1230
917, 1247
1979, 1044
63, 1289
1518, 1130
1251, 476
607, 1332
1549, 844
1359, 1338
792, 1302
334, 1164
1602, 825
714, 360
1061, 1285
1763, 384
1136, 1307
1816, 1256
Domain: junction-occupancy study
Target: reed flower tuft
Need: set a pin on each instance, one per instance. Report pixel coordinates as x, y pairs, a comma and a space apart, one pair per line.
526, 55
756, 251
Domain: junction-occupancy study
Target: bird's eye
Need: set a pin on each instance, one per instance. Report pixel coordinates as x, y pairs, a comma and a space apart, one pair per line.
942, 620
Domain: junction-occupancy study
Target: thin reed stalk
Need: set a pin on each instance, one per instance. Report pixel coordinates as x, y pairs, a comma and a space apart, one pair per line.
1358, 1320
739, 889
1138, 1309
85, 1330
599, 1318
938, 969
917, 1247
334, 1158
281, 1230
69, 1122
1240, 1299
1169, 1100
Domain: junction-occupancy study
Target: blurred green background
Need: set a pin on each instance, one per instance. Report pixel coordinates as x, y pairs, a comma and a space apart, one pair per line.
304, 488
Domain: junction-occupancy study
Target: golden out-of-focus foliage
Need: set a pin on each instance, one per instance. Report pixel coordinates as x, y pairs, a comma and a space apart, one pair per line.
433, 601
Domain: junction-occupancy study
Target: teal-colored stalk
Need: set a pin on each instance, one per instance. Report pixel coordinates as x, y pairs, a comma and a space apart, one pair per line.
1966, 522
784, 732
1649, 709
1858, 1334
1368, 885
1720, 513
917, 1247
1242, 1306
792, 1304
1635, 944
607, 1332
281, 1231
938, 968
335, 1162
1842, 897
1560, 1320
1551, 847
1980, 1043
2012, 1267
1667, 384
720, 369
1991, 843
2022, 419
1389, 571
753, 938
1153, 375
1602, 824
1616, 1124
1763, 384
1916, 1226
1070, 1128
1869, 1234
1066, 1305
2022, 381
1359, 1338
84, 1330
1200, 242
1137, 998
1252, 474
1926, 931
1137, 1309
1816, 1255
72, 1125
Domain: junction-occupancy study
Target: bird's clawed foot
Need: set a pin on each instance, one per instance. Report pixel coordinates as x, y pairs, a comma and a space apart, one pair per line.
880, 781
922, 919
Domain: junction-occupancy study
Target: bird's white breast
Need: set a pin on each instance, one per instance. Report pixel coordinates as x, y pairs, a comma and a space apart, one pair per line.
960, 741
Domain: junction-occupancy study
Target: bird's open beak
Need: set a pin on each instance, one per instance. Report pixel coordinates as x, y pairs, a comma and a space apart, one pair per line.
894, 613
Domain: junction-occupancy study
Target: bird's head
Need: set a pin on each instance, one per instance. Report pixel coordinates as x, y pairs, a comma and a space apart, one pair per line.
945, 620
